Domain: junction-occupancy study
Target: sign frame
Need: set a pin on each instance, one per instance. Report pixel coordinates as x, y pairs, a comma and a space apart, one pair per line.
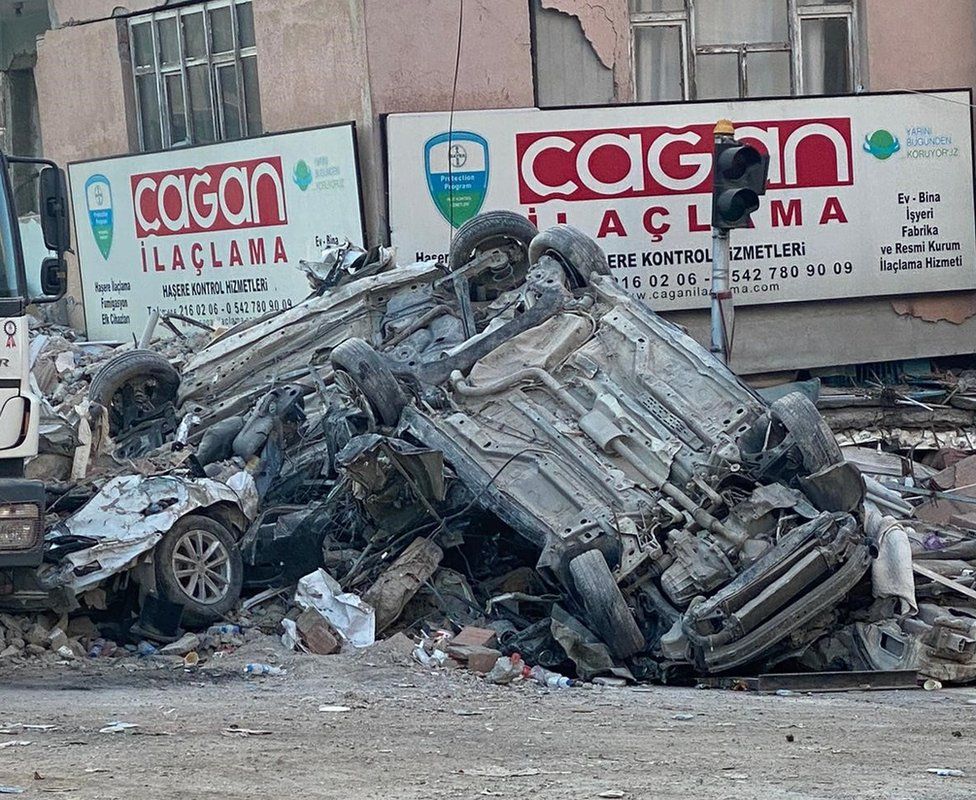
356, 176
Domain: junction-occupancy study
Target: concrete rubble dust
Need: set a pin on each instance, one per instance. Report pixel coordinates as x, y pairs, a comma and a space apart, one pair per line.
505, 462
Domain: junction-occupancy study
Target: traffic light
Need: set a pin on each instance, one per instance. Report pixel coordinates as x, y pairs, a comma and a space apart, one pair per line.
739, 176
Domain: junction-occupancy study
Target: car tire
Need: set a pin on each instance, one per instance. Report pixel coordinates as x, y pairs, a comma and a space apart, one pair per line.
199, 542
489, 230
606, 610
579, 255
813, 437
372, 377
127, 368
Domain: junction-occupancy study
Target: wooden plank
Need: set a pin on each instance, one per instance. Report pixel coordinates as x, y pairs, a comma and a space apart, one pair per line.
932, 575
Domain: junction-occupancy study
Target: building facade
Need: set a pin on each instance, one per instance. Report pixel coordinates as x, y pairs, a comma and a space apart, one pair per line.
84, 79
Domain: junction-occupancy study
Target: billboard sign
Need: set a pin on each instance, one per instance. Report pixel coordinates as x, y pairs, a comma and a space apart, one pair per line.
867, 195
213, 232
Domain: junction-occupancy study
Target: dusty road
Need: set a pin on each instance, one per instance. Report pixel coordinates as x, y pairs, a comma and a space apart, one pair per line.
411, 733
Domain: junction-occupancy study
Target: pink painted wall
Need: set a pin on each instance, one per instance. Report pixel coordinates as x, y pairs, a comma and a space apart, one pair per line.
66, 12
82, 107
920, 44
412, 53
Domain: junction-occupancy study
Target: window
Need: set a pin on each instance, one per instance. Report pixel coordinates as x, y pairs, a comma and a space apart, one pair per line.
196, 76
715, 49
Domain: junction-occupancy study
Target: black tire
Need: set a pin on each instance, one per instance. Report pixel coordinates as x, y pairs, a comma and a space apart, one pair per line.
579, 255
813, 437
372, 377
606, 610
113, 384
196, 611
489, 230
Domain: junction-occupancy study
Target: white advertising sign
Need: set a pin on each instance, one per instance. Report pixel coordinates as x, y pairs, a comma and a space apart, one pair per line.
213, 232
867, 195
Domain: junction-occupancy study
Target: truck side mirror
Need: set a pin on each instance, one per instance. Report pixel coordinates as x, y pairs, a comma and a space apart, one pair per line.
53, 196
53, 277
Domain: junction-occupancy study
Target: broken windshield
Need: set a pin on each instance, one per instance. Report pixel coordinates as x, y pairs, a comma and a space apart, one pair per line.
9, 283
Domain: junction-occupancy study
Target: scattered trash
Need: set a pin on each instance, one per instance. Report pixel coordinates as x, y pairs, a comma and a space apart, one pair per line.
263, 669
118, 727
612, 793
12, 790
334, 709
931, 685
234, 730
15, 743
942, 772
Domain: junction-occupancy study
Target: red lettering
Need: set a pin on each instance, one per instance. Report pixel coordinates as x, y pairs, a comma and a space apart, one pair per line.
235, 255
786, 214
659, 161
218, 197
832, 210
279, 250
611, 224
656, 228
256, 251
195, 258
694, 226
177, 258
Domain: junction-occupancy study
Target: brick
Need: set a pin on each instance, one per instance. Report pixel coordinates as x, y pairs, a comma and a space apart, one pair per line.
478, 659
317, 634
479, 637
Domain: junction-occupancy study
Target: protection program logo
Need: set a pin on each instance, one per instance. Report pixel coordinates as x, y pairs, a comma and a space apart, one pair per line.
98, 197
881, 144
457, 174
302, 175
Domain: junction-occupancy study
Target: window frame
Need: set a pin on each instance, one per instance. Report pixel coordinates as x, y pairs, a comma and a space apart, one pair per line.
215, 64
691, 50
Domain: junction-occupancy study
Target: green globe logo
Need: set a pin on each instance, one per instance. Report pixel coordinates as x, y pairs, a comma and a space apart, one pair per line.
881, 144
302, 175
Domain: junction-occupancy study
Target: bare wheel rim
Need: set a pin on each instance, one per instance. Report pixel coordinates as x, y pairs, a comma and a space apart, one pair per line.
201, 565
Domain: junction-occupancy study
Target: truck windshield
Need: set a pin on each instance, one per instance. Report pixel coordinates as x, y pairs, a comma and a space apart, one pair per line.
9, 272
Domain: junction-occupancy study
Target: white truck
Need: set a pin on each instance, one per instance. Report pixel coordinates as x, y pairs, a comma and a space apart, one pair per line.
22, 500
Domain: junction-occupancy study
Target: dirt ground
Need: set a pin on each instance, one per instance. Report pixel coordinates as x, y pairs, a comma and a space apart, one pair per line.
413, 733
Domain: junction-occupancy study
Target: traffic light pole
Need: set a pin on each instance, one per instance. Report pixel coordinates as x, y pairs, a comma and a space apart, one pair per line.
722, 308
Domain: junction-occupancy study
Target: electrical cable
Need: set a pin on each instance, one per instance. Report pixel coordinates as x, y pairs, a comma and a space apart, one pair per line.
450, 124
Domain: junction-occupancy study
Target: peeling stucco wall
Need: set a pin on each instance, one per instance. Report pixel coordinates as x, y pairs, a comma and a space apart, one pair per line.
606, 26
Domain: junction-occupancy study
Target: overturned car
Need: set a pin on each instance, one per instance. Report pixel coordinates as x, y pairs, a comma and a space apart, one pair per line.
584, 464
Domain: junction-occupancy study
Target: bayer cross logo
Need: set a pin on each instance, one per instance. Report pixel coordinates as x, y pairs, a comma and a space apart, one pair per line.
456, 164
99, 195
459, 156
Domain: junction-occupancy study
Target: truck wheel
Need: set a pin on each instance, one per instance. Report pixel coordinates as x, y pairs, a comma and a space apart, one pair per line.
133, 386
579, 255
372, 377
812, 435
606, 610
199, 566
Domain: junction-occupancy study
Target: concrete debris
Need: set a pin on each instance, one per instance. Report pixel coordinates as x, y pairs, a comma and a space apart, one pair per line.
506, 462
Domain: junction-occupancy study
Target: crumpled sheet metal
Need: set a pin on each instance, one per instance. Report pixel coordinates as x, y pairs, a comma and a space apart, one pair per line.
126, 519
354, 619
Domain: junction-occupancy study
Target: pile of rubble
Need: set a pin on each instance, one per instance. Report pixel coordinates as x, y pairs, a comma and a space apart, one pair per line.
509, 444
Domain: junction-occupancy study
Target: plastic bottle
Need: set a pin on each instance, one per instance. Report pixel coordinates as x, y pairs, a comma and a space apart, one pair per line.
224, 630
96, 649
262, 669
551, 679
146, 648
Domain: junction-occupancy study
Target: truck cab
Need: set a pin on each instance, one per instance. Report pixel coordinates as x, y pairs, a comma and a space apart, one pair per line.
22, 500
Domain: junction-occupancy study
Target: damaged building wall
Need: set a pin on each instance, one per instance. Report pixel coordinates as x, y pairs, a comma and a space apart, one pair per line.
74, 127
605, 28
